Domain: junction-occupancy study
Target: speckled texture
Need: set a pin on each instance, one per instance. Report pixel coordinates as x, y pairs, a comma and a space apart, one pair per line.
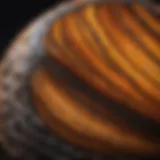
24, 134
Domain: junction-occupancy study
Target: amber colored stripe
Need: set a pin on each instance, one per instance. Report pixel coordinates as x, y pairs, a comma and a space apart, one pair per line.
108, 135
98, 62
147, 17
145, 37
88, 73
54, 42
80, 91
120, 94
156, 88
144, 23
144, 47
120, 60
130, 43
61, 129
57, 43
138, 40
143, 80
101, 93
51, 47
106, 53
110, 86
99, 104
125, 46
127, 90
126, 66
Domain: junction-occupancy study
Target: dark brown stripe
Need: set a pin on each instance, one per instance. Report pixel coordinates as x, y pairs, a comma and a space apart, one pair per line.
144, 23
153, 9
66, 53
111, 36
106, 143
137, 39
74, 51
72, 79
64, 131
133, 120
111, 82
148, 53
102, 50
134, 83
71, 47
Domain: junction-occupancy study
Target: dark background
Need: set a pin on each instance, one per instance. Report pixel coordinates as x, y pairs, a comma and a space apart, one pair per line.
15, 14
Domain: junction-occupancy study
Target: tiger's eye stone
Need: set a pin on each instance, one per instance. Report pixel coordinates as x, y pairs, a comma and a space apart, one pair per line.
99, 88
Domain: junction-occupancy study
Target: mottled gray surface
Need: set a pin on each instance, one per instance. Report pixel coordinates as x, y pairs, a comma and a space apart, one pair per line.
23, 133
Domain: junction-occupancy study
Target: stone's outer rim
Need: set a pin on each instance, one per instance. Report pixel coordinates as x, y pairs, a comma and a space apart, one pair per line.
24, 42
24, 53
